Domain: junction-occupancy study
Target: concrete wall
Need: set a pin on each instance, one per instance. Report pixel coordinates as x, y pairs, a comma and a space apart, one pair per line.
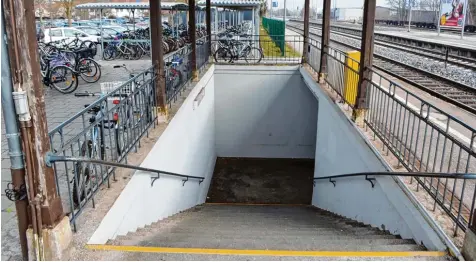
187, 146
263, 112
342, 149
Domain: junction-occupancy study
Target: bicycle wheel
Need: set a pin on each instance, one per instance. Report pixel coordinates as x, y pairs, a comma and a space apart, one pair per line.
89, 70
81, 179
109, 53
64, 79
223, 55
91, 45
137, 52
253, 55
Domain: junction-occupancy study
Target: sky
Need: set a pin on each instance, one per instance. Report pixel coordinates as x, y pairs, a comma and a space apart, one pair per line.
293, 4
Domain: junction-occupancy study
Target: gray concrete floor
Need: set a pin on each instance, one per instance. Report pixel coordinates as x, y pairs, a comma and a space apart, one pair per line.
59, 107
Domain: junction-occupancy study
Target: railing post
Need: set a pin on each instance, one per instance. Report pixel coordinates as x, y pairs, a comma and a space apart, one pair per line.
192, 35
158, 55
209, 25
326, 33
306, 32
366, 58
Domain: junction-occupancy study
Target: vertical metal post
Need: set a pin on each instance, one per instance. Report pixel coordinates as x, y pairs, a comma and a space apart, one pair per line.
326, 32
464, 17
100, 29
133, 20
209, 24
12, 132
284, 16
306, 31
439, 18
410, 17
158, 54
216, 20
192, 35
366, 57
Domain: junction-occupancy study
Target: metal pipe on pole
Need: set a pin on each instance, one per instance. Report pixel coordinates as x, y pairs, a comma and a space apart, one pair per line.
12, 134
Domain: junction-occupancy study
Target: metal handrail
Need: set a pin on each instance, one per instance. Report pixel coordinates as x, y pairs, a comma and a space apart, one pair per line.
52, 158
409, 174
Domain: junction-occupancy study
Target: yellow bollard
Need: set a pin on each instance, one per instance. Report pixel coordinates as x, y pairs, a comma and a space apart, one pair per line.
351, 77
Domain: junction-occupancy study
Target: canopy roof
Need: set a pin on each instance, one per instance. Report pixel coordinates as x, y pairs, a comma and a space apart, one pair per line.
232, 3
125, 5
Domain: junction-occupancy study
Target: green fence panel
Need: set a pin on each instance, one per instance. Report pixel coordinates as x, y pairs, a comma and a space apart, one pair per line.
276, 30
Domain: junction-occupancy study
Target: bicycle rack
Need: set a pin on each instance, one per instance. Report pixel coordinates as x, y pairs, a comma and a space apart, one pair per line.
52, 158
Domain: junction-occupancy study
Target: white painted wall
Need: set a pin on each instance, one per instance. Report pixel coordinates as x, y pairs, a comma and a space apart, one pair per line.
263, 112
187, 146
342, 149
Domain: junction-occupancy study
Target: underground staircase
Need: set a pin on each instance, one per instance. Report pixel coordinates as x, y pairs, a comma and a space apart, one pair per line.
264, 231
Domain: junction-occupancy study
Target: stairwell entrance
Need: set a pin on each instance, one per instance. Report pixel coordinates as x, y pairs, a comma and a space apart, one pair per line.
262, 181
250, 134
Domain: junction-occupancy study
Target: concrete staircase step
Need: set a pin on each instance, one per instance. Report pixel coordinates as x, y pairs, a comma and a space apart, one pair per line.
264, 228
250, 244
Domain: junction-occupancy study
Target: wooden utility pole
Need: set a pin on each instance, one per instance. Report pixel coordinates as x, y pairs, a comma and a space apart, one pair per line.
158, 54
23, 52
366, 58
46, 209
326, 33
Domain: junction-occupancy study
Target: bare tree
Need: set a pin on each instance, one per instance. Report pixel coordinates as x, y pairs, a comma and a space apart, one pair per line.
40, 7
68, 9
402, 7
430, 5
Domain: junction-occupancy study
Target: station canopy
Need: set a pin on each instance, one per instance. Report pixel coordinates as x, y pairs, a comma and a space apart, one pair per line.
232, 3
125, 5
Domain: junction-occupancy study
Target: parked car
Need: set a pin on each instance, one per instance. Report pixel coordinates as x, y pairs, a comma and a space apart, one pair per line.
96, 31
117, 28
82, 23
70, 33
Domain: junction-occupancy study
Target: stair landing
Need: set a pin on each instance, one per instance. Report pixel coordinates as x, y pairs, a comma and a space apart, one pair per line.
264, 232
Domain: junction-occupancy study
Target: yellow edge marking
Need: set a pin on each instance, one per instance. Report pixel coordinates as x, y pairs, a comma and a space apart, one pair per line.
245, 252
257, 204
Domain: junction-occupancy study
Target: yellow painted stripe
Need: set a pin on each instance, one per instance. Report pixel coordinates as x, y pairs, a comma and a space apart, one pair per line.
245, 252
258, 204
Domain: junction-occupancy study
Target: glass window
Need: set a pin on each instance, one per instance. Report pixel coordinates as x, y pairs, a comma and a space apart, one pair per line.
56, 32
90, 31
69, 33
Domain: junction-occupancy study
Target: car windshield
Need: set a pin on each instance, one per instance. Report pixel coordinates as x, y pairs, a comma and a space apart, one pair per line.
110, 31
90, 31
119, 28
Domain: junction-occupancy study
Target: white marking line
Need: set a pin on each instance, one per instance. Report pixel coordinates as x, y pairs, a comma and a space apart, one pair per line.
452, 131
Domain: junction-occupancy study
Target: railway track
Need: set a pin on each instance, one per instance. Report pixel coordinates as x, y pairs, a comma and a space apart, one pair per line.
455, 52
445, 89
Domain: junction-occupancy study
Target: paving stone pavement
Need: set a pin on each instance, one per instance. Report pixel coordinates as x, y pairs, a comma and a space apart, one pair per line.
59, 107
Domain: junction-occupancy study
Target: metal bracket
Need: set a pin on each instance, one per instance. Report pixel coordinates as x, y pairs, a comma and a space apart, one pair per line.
153, 180
371, 180
332, 181
200, 181
50, 158
313, 183
184, 181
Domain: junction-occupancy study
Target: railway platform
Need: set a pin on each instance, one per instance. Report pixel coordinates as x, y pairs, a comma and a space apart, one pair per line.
468, 41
